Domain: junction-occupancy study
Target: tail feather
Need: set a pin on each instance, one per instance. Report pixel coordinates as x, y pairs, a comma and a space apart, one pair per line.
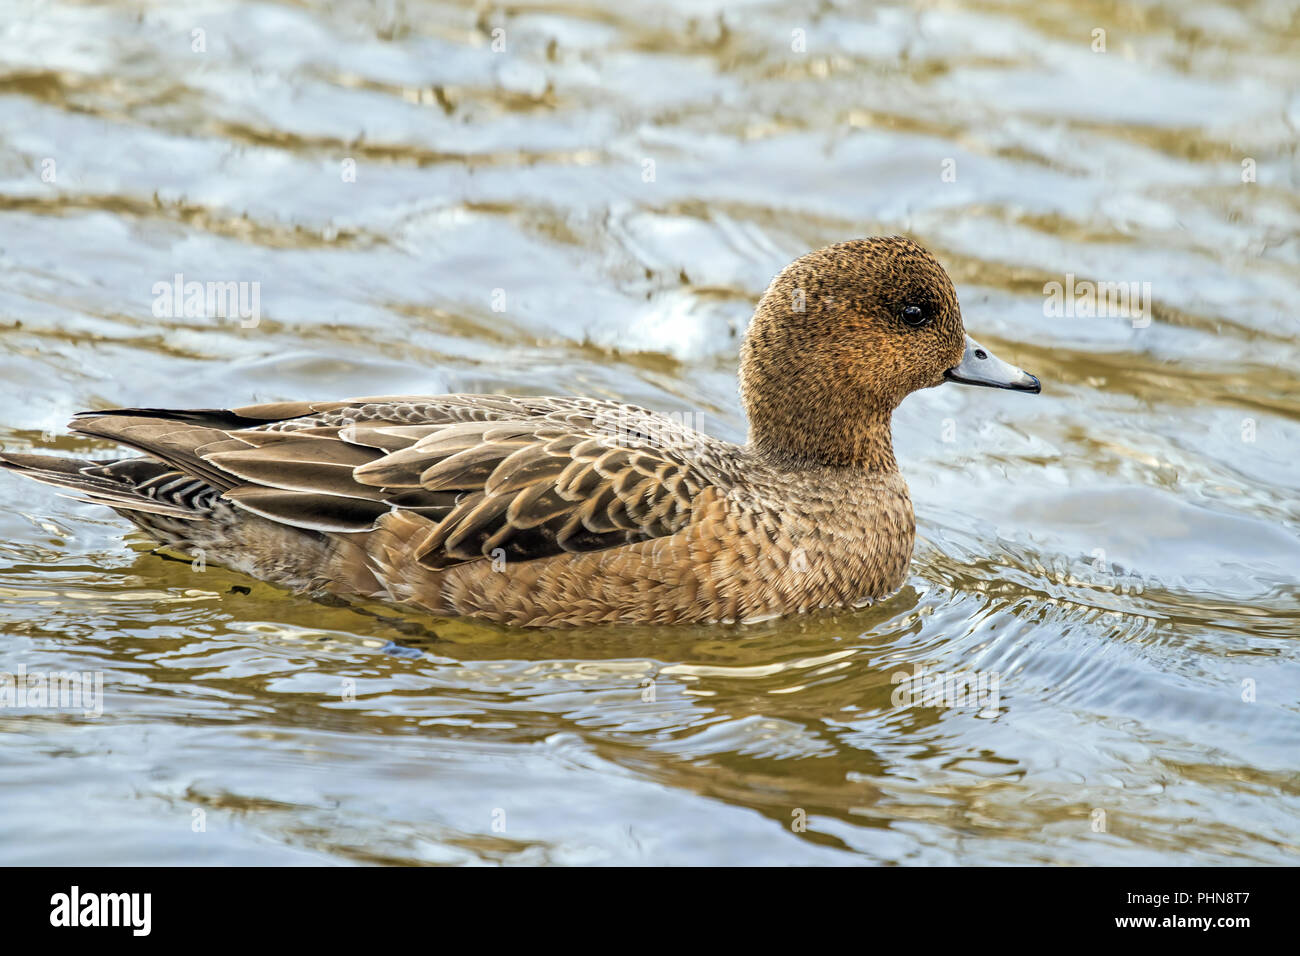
178, 443
129, 484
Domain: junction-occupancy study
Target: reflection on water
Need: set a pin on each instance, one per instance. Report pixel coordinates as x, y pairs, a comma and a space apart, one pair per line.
589, 202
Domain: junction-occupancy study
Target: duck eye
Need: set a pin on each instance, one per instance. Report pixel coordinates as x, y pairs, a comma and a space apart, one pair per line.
914, 316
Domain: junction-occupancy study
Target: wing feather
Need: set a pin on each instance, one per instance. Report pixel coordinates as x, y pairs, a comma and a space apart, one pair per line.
534, 477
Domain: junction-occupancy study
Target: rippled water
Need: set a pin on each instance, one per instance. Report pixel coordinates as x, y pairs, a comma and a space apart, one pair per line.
624, 179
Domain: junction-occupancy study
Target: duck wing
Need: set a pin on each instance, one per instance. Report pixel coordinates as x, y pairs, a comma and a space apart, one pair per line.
523, 478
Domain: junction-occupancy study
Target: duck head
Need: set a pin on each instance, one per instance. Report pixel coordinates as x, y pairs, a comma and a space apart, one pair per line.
841, 337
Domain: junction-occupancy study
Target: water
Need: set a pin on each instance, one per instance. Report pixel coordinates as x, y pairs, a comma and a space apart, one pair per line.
624, 180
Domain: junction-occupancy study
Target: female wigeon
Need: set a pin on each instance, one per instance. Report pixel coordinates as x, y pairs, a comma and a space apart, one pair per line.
574, 511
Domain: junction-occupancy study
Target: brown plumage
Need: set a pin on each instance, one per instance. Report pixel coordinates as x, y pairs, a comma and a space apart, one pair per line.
572, 511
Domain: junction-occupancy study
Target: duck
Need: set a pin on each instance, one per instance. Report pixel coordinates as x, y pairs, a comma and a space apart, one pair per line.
568, 511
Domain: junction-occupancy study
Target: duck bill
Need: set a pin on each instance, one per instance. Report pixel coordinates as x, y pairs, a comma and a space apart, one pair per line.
979, 366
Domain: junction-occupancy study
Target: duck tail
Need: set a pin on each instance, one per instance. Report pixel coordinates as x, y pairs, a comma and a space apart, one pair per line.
126, 485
